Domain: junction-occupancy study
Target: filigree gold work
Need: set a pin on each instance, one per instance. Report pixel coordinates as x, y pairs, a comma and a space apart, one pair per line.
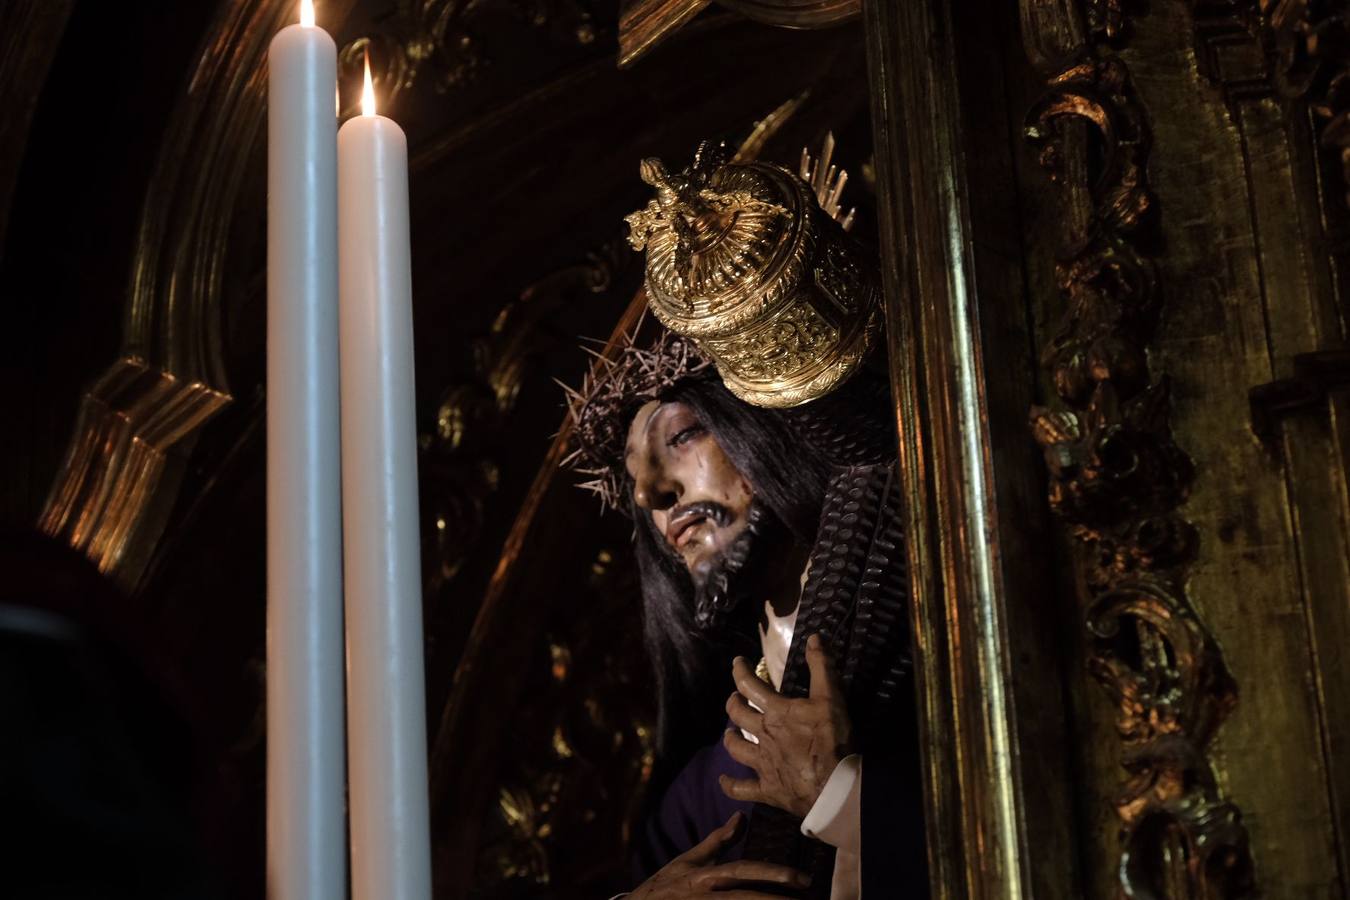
702, 238
839, 277
787, 344
1118, 479
753, 264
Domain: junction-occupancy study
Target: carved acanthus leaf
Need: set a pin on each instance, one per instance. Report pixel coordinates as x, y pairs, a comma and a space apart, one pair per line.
1118, 480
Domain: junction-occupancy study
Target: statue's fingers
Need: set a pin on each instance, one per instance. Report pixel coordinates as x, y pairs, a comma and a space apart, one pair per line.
824, 678
747, 789
741, 750
744, 715
706, 850
752, 687
743, 871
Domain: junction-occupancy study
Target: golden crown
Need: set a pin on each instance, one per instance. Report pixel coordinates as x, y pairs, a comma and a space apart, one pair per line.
744, 260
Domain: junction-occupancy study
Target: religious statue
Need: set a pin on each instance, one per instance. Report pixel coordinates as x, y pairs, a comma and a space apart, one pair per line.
753, 446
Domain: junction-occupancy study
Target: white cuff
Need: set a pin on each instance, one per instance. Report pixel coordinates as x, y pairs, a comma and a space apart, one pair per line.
835, 816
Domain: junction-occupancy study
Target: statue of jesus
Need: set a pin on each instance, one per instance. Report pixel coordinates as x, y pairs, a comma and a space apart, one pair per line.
774, 604
754, 448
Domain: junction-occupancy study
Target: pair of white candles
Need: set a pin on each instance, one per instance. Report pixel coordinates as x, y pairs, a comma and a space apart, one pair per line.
341, 495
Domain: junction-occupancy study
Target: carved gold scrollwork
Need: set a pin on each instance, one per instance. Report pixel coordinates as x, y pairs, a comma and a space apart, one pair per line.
434, 39
459, 474
1309, 44
1107, 17
1160, 665
1058, 25
1118, 479
584, 747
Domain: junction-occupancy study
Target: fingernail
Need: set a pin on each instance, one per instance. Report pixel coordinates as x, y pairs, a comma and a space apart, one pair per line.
814, 640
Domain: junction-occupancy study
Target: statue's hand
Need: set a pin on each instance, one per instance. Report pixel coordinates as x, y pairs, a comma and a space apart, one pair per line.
800, 740
693, 873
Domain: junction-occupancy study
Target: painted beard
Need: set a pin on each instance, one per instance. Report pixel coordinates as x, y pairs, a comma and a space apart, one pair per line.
722, 581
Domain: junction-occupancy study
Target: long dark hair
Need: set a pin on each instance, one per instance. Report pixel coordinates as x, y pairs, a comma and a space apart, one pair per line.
789, 475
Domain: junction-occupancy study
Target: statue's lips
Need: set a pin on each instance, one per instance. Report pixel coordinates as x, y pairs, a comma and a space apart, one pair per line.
682, 535
682, 526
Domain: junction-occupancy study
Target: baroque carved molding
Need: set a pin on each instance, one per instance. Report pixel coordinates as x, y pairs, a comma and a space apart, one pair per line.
1308, 42
1317, 377
1299, 49
30, 35
112, 497
1118, 481
645, 23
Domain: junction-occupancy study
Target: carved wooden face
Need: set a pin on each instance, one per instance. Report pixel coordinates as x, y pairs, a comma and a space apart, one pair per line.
696, 497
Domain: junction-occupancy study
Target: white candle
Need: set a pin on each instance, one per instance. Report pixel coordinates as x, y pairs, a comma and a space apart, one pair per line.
306, 816
391, 847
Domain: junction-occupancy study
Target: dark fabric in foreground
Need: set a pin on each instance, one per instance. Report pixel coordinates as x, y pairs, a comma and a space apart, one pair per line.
92, 765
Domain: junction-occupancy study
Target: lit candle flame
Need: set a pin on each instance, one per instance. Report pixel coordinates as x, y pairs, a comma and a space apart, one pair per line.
368, 92
307, 13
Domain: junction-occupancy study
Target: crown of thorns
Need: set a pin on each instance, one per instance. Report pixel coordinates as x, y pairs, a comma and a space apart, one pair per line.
613, 389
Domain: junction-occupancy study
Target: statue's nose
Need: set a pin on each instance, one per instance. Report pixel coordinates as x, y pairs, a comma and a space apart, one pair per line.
654, 489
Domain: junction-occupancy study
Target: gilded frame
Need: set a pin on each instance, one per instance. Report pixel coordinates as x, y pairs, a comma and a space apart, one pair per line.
997, 800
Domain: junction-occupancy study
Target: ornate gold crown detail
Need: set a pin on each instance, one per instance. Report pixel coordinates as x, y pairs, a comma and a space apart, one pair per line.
743, 261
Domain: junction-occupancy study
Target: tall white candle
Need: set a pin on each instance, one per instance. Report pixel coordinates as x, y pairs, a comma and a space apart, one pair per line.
391, 848
306, 817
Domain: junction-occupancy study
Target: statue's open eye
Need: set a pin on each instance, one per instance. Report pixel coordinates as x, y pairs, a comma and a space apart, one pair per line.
685, 435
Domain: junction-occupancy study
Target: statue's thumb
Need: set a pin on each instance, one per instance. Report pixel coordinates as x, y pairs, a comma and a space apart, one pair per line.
706, 850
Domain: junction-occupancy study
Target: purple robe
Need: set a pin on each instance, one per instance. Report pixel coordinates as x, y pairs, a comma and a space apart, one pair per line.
892, 803
692, 807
